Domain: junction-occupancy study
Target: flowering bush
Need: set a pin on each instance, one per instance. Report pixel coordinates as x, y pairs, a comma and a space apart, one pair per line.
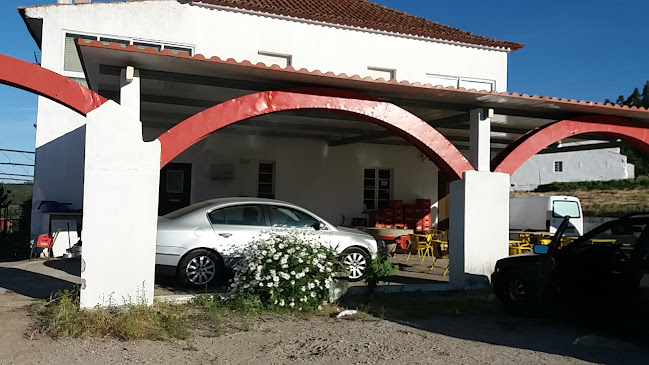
285, 269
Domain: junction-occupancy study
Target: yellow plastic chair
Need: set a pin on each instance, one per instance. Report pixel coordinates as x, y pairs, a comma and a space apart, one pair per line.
421, 243
438, 253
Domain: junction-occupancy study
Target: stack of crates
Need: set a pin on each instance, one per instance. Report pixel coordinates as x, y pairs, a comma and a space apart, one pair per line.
398, 215
422, 214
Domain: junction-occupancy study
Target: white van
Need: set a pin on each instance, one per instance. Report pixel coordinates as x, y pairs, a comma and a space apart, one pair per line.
545, 213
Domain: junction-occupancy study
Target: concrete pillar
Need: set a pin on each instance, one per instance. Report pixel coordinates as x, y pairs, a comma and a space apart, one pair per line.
480, 139
129, 95
479, 231
120, 210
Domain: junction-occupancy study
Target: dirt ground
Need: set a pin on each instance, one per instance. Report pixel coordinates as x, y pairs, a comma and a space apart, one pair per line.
411, 338
495, 339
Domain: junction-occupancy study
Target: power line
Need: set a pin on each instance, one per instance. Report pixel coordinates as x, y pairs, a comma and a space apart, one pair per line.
23, 175
18, 151
12, 179
15, 164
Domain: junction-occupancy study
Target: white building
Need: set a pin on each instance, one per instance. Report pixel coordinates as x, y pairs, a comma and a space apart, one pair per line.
338, 107
270, 37
590, 165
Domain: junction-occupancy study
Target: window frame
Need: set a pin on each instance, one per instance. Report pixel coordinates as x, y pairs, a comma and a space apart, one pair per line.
273, 178
261, 207
558, 166
270, 221
99, 36
377, 179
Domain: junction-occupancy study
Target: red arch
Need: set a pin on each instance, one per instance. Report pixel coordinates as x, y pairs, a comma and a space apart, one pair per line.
419, 133
529, 144
36, 79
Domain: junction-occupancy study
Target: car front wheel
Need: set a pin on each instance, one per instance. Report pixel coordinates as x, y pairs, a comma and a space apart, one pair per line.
355, 261
517, 296
200, 268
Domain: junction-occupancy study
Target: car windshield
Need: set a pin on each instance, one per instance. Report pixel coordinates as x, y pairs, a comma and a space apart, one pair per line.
563, 208
623, 233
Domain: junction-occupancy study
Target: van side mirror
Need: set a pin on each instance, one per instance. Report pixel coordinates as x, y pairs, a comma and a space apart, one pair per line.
541, 249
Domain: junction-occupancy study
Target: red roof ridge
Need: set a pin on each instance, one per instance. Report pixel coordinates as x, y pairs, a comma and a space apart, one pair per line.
246, 63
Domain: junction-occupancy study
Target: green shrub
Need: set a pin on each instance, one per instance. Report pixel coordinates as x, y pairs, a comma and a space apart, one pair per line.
640, 183
284, 269
378, 269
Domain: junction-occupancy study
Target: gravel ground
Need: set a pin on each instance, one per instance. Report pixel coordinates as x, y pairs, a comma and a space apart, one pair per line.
323, 340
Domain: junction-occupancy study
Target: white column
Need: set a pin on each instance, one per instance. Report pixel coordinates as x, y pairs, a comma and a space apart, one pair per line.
120, 210
480, 139
479, 231
129, 94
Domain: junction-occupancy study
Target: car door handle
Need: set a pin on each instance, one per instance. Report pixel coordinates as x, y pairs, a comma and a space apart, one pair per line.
226, 235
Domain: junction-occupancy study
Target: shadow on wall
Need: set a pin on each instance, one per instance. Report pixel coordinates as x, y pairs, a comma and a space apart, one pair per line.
58, 175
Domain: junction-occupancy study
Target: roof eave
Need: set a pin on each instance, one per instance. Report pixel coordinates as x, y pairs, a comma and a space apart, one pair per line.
512, 46
37, 34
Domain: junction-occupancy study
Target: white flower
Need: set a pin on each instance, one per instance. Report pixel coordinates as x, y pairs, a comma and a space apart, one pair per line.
312, 294
292, 282
259, 268
281, 303
319, 307
261, 284
264, 252
293, 272
276, 256
275, 278
281, 246
292, 304
270, 285
303, 288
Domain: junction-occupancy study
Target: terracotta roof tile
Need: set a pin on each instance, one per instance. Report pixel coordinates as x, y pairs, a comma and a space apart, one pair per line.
364, 14
544, 101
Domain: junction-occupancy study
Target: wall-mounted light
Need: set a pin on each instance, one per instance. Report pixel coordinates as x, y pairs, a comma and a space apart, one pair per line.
130, 73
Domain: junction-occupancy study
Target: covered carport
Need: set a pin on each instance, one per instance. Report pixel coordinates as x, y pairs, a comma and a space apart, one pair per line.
189, 98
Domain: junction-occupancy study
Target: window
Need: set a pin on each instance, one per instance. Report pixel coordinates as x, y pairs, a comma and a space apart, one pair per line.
269, 59
175, 181
266, 181
71, 59
290, 218
478, 84
239, 215
144, 45
384, 73
377, 188
442, 80
558, 166
565, 208
623, 234
108, 40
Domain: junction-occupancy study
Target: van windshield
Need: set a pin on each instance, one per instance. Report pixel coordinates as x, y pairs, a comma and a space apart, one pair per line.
562, 208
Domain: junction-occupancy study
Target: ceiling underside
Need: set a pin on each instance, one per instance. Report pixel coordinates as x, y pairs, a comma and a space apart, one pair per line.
173, 90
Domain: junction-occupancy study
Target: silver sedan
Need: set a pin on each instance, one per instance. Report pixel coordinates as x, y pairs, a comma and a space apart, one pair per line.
198, 242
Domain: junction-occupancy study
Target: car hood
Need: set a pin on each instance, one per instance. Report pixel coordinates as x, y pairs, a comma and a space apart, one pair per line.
354, 231
527, 258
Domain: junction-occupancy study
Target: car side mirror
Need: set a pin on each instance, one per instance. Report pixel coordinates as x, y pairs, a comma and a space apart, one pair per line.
541, 249
318, 226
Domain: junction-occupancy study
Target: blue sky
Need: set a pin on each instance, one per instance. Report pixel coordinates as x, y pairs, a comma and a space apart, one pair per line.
578, 49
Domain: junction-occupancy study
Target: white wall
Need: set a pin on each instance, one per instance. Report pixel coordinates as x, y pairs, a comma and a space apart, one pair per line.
325, 180
120, 210
602, 164
479, 226
226, 34
237, 35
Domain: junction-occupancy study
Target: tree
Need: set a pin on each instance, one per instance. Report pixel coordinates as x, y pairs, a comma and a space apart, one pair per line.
635, 156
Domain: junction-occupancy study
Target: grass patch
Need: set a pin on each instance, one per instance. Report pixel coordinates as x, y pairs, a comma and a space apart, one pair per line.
207, 314
425, 304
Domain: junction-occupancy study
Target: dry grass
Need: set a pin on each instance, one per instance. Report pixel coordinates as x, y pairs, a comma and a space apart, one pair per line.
604, 203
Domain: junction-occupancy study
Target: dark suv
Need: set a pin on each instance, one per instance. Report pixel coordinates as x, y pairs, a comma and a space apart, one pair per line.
606, 262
